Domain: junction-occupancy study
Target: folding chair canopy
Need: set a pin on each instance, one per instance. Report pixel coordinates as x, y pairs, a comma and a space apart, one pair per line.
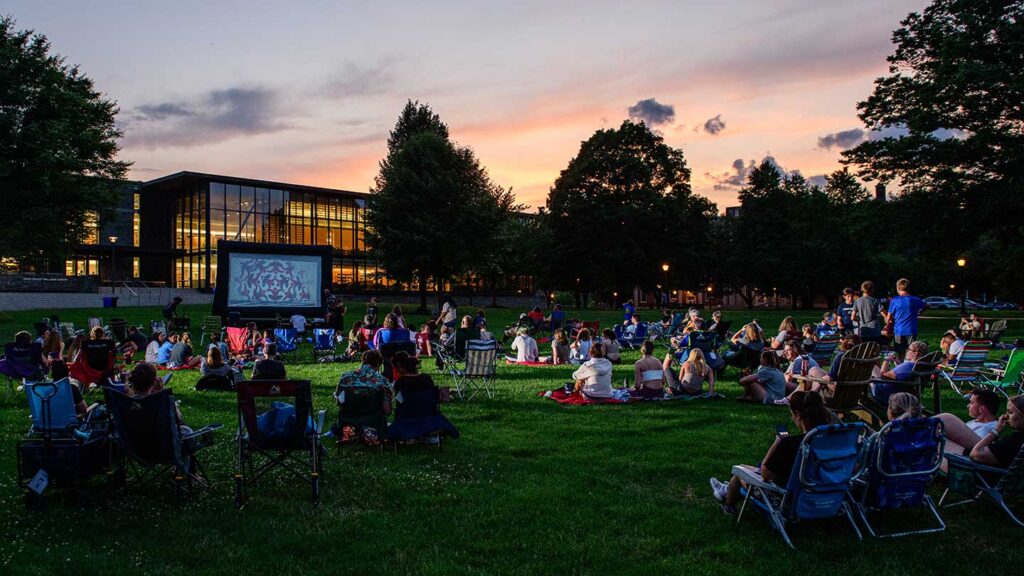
52, 405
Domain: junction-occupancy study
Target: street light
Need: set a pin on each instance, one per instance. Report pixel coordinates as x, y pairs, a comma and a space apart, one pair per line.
113, 257
664, 270
962, 263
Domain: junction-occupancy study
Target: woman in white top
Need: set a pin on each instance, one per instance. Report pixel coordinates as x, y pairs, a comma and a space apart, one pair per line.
153, 348
648, 373
449, 313
594, 377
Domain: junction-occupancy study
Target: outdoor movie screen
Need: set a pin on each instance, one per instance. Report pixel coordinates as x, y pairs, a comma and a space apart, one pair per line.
274, 280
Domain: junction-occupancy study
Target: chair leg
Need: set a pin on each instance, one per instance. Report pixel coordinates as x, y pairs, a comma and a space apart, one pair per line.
1002, 504
849, 517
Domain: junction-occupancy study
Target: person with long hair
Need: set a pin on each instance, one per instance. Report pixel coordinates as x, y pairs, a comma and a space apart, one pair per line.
693, 373
645, 384
579, 350
807, 410
214, 364
559, 347
390, 332
787, 331
612, 349
748, 336
396, 311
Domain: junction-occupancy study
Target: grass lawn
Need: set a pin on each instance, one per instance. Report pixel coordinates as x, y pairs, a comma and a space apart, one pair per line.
532, 487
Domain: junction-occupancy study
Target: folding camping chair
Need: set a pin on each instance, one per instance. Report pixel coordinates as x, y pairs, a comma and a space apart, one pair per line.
20, 363
95, 322
418, 416
1006, 379
158, 326
967, 368
238, 341
211, 325
900, 463
95, 362
480, 364
153, 444
59, 443
119, 329
67, 331
361, 409
818, 485
323, 343
824, 350
368, 335
975, 481
707, 342
216, 383
287, 340
278, 434
462, 337
638, 337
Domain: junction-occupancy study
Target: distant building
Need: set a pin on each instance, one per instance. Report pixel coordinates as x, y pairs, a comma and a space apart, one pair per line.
880, 192
732, 212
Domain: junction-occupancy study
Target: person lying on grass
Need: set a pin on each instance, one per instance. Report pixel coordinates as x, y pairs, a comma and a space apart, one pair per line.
808, 411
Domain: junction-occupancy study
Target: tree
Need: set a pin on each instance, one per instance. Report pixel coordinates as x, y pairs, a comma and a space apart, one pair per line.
433, 208
621, 208
58, 144
953, 96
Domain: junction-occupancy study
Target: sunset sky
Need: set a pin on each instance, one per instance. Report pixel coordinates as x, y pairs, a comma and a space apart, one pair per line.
306, 92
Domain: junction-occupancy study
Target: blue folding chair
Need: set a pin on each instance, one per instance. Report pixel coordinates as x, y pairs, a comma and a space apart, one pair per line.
901, 462
634, 341
975, 481
52, 405
323, 343
287, 340
819, 484
824, 350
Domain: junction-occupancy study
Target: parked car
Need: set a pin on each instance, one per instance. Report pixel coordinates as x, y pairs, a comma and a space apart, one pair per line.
1003, 306
972, 305
942, 303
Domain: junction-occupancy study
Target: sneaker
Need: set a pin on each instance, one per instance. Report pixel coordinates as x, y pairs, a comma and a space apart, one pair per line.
781, 402
718, 489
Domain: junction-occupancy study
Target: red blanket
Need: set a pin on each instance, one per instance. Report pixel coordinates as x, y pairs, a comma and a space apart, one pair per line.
577, 398
514, 363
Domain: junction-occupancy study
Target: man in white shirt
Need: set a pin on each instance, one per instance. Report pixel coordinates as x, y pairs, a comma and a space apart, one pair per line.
299, 323
525, 347
983, 407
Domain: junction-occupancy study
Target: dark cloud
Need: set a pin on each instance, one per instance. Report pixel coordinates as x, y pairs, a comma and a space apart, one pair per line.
652, 113
714, 125
842, 140
737, 178
818, 181
219, 115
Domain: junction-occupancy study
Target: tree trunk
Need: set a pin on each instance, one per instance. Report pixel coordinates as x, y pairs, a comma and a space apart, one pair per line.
423, 294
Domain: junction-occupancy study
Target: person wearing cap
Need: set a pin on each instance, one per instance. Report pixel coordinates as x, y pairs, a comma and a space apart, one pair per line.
525, 347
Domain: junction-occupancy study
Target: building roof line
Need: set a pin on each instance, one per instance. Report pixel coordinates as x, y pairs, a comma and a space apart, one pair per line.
246, 181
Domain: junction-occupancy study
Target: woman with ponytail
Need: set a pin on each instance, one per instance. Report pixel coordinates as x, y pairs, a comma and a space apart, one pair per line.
808, 411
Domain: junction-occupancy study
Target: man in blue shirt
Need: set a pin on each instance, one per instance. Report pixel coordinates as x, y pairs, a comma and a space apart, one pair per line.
628, 310
901, 372
904, 310
843, 312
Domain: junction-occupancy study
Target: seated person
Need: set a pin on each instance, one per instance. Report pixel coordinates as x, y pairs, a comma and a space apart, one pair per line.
807, 410
787, 331
536, 316
766, 385
901, 372
903, 405
424, 344
298, 322
648, 374
217, 342
749, 336
799, 364
53, 345
559, 347
557, 317
356, 339
594, 377
716, 319
409, 377
156, 341
391, 332
993, 448
525, 347
983, 407
485, 334
143, 381
970, 323
951, 346
269, 367
481, 318
693, 373
629, 331
612, 350
181, 354
24, 347
368, 375
59, 371
810, 339
579, 350
214, 364
163, 355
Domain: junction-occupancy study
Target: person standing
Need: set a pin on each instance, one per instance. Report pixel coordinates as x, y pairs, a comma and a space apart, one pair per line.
904, 309
844, 310
867, 313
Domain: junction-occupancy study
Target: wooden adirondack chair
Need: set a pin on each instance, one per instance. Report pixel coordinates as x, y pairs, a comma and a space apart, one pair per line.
843, 394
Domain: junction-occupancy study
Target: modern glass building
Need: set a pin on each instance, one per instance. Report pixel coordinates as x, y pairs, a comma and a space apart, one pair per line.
166, 230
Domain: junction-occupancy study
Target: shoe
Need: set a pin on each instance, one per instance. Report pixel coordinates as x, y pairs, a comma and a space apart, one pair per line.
718, 489
728, 510
781, 402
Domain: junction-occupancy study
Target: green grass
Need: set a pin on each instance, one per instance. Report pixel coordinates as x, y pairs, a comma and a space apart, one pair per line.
532, 487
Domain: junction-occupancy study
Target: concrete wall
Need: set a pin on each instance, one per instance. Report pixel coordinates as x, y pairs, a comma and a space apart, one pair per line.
57, 301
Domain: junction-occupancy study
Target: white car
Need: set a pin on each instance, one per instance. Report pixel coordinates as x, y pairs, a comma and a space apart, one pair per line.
942, 303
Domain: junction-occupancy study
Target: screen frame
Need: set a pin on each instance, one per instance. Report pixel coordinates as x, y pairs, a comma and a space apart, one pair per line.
226, 248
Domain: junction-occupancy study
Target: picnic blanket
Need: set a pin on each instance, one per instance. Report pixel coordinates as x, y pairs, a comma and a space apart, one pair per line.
577, 398
514, 363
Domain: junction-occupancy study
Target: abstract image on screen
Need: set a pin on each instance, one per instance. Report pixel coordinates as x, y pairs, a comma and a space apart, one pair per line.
271, 280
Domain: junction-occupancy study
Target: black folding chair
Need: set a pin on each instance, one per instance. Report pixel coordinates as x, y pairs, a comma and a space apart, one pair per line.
361, 408
285, 435
153, 444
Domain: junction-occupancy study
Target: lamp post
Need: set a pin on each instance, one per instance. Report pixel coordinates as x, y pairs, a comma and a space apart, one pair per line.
113, 259
962, 263
708, 299
664, 272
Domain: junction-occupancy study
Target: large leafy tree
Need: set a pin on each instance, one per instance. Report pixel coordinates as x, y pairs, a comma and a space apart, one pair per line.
433, 209
954, 93
621, 208
58, 148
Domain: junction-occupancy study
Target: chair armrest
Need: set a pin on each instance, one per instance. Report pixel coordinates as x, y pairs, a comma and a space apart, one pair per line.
319, 424
961, 461
802, 378
753, 478
209, 428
